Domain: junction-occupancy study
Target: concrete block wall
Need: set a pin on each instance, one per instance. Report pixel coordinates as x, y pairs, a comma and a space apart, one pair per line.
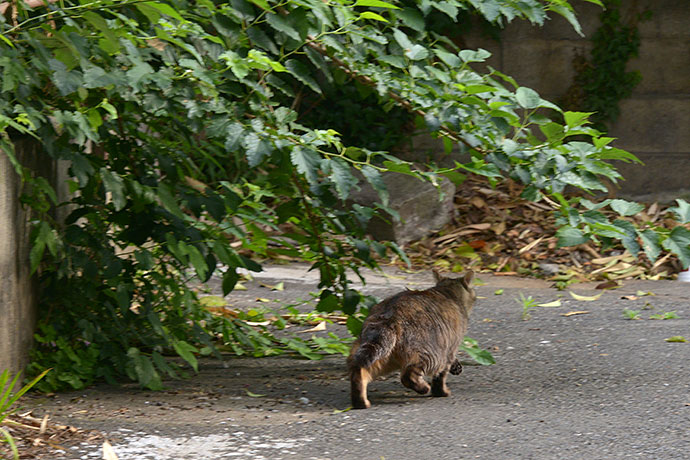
654, 121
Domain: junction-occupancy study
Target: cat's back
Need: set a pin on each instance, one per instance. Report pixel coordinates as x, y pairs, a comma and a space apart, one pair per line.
410, 306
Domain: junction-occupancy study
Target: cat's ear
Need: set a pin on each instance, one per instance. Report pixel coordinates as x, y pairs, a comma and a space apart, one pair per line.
469, 276
437, 276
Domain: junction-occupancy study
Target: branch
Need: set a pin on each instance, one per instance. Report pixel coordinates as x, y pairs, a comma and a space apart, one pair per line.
396, 97
30, 3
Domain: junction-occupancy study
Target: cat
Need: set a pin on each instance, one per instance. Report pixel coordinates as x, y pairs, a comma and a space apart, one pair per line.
415, 332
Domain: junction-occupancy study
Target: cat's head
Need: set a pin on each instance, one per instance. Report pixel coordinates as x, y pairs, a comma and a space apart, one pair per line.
460, 287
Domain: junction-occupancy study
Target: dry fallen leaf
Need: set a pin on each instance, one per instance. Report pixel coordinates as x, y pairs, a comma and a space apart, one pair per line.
340, 411
585, 298
108, 452
274, 287
573, 313
555, 303
319, 327
629, 297
610, 284
257, 323
531, 246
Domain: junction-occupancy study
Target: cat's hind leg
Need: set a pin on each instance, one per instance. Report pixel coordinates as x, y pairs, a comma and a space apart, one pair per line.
438, 385
413, 378
359, 379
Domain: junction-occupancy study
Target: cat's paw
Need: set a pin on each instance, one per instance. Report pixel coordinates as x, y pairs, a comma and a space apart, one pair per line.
363, 404
441, 392
422, 389
455, 367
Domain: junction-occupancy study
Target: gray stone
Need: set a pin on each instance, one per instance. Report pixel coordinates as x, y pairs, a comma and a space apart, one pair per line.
422, 207
550, 269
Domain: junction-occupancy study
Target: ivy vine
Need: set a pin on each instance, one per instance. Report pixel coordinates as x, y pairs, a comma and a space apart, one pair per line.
602, 80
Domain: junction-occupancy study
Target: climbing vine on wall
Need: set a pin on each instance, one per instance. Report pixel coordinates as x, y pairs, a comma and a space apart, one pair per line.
602, 80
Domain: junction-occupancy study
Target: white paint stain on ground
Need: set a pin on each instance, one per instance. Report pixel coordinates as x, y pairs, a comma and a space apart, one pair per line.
237, 445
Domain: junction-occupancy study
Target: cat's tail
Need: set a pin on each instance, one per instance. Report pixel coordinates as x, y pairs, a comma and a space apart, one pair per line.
374, 346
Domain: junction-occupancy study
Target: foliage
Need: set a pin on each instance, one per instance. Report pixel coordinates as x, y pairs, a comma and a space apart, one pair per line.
631, 314
527, 303
603, 80
8, 398
479, 355
186, 158
665, 315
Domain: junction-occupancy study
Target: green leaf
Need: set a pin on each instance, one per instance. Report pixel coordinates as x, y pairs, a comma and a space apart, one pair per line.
375, 4
374, 16
163, 8
483, 357
263, 4
374, 177
230, 279
110, 42
575, 119
342, 177
451, 60
256, 149
612, 153
354, 325
6, 40
168, 201
279, 23
67, 82
114, 184
567, 12
307, 162
302, 73
629, 239
479, 55
46, 236
186, 352
678, 243
328, 302
448, 8
145, 371
570, 236
417, 53
676, 339
527, 98
682, 211
626, 208
402, 39
198, 262
412, 19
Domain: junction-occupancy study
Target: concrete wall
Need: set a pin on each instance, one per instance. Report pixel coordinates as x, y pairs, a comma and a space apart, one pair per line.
17, 289
654, 121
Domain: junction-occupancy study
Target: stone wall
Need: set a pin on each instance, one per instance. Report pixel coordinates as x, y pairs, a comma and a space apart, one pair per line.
17, 289
653, 121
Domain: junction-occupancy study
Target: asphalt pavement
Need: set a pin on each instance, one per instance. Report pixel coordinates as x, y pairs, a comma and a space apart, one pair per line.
577, 380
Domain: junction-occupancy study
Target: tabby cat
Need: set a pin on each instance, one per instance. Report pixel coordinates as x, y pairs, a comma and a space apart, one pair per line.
415, 332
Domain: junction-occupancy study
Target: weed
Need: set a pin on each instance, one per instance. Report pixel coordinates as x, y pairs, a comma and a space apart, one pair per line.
631, 314
527, 304
7, 400
665, 315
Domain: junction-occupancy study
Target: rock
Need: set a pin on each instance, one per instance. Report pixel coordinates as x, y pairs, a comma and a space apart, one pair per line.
550, 269
416, 201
